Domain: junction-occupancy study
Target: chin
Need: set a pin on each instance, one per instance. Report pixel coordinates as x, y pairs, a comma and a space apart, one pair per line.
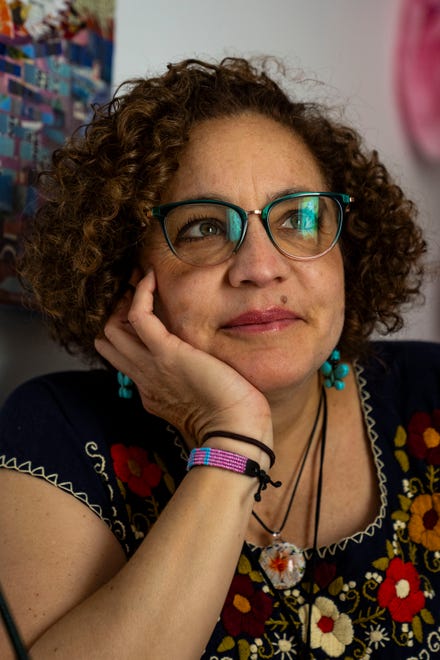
270, 381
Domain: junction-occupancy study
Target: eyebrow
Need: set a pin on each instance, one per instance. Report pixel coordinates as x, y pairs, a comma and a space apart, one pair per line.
269, 198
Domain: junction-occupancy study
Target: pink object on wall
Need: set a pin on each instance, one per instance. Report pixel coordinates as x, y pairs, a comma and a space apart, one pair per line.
418, 74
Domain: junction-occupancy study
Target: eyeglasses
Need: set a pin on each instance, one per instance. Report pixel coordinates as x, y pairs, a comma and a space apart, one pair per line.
302, 226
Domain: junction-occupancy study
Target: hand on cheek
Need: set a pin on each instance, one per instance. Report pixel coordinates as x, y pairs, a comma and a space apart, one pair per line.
189, 388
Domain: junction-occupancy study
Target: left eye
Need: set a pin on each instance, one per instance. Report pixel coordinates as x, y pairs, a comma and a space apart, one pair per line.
304, 221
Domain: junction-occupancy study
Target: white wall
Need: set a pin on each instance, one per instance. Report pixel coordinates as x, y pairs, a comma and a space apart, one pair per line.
347, 44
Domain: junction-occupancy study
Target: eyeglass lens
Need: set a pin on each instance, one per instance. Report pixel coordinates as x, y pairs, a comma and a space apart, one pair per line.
207, 234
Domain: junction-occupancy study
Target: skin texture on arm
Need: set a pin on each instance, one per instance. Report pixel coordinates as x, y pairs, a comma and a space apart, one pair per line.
72, 593
54, 552
68, 584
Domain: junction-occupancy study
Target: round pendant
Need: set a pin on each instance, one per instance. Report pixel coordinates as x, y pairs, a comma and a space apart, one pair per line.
283, 563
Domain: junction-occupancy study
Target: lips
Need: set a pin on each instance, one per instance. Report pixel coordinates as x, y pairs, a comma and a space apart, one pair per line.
267, 319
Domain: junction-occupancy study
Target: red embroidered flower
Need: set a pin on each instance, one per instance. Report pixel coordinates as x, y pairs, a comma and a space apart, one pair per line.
133, 468
325, 572
400, 592
424, 436
245, 609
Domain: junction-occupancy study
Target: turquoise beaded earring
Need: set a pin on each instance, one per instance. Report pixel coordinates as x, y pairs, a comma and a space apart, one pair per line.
125, 384
334, 371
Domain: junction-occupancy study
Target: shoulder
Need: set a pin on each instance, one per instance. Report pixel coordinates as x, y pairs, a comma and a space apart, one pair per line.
47, 426
399, 379
409, 367
408, 354
54, 405
64, 388
73, 430
414, 354
72, 408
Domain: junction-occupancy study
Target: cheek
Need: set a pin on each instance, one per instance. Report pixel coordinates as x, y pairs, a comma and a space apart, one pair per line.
329, 288
181, 304
170, 309
336, 294
170, 297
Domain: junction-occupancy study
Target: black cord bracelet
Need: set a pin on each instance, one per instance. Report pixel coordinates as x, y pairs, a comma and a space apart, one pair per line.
242, 438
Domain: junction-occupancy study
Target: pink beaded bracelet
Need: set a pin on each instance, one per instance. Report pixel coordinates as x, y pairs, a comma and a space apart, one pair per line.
228, 460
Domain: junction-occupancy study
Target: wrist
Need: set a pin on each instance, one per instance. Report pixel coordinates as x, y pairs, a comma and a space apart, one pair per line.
253, 448
233, 462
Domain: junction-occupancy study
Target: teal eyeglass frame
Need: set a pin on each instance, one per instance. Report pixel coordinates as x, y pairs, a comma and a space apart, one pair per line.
343, 201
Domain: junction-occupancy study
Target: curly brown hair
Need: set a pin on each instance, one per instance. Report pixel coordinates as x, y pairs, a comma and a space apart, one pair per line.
96, 197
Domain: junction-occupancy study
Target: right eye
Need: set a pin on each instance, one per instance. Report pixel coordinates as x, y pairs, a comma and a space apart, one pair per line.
199, 228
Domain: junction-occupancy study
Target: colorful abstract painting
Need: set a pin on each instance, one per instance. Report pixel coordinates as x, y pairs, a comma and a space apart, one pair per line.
55, 62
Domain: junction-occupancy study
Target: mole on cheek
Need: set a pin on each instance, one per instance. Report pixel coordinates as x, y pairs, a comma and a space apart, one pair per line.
284, 299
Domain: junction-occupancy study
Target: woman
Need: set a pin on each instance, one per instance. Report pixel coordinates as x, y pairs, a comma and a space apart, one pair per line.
214, 241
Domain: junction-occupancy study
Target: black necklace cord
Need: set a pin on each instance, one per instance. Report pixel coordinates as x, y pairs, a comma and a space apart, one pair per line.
317, 518
304, 652
274, 532
11, 629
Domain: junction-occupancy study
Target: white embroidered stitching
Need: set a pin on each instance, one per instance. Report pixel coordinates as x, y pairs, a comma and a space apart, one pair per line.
178, 443
367, 409
116, 525
40, 472
370, 530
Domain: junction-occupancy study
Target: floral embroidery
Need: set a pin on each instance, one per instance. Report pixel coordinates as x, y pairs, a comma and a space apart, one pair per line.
285, 647
118, 527
400, 591
330, 630
132, 466
380, 605
377, 637
424, 436
424, 524
325, 572
382, 612
246, 609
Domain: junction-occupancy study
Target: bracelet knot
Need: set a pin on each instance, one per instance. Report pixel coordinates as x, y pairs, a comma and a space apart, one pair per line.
264, 482
209, 456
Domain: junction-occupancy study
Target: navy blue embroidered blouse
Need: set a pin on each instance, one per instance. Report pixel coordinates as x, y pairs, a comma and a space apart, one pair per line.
375, 594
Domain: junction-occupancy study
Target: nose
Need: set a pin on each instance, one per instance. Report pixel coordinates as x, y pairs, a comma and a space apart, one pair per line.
257, 261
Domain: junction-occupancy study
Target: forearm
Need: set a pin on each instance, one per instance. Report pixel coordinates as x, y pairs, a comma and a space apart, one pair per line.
168, 597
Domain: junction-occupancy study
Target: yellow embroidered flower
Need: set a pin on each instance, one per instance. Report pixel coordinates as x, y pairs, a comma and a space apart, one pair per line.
424, 524
330, 630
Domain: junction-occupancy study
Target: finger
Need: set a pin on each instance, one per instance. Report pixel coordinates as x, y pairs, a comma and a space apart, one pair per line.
119, 316
106, 350
123, 304
141, 316
135, 277
125, 351
121, 333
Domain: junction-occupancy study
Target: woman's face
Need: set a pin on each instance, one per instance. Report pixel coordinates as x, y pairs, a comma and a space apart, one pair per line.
273, 319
